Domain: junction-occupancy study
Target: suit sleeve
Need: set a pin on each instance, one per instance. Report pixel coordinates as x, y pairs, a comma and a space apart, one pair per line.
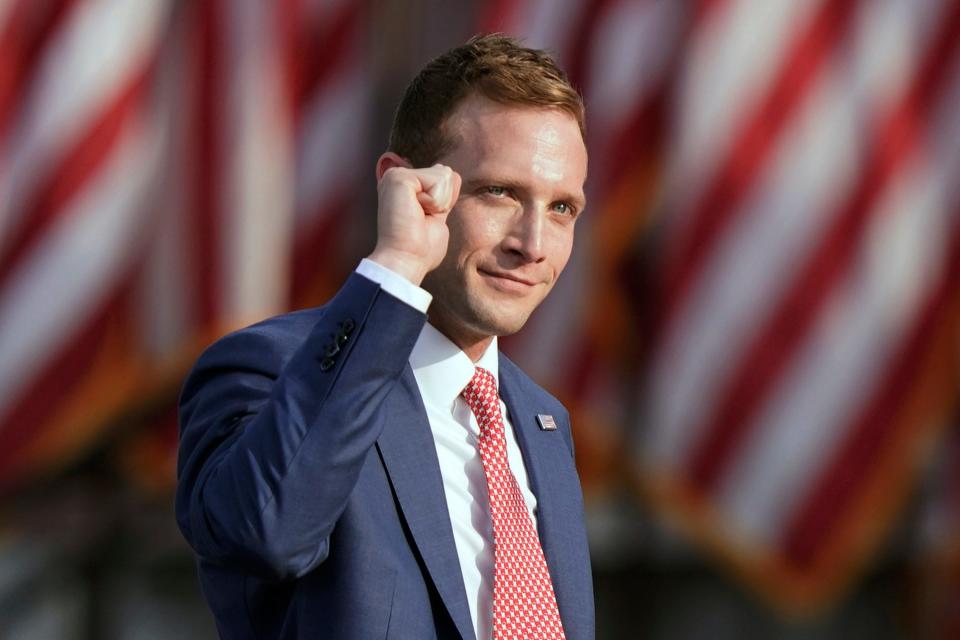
274, 429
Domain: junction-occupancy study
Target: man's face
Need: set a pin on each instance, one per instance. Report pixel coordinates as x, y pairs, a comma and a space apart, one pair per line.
511, 231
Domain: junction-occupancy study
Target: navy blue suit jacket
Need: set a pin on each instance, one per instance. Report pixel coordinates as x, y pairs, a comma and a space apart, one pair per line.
310, 490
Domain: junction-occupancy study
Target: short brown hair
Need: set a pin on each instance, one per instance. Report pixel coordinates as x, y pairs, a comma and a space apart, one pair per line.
493, 66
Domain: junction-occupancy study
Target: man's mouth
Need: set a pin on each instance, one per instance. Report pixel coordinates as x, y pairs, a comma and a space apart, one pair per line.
508, 281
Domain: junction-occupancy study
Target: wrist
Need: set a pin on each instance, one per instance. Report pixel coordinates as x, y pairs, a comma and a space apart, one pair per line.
403, 264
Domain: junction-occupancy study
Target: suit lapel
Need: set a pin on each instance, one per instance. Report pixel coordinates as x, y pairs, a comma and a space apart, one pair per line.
409, 454
554, 481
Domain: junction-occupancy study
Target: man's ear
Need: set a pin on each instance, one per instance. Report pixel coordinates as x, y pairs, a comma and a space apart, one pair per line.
390, 160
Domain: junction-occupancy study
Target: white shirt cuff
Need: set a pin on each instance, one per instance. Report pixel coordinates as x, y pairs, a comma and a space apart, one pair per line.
395, 284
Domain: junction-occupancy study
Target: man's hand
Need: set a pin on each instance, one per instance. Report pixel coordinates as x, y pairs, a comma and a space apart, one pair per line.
412, 218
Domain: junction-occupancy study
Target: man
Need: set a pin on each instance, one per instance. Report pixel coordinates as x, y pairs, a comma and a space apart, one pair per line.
375, 468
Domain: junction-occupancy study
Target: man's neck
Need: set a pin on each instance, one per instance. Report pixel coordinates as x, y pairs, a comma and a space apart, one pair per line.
471, 343
473, 347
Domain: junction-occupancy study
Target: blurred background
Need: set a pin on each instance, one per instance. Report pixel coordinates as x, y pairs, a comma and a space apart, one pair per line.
758, 335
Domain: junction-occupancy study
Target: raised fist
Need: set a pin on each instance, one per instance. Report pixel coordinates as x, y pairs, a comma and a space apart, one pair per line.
412, 215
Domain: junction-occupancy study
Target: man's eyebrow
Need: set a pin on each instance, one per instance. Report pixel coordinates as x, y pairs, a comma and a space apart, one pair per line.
579, 200
492, 179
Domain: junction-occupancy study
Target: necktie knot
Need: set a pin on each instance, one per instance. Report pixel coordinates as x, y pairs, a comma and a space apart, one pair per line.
482, 382
482, 397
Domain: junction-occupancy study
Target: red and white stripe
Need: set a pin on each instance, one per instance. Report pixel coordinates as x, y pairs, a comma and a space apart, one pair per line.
80, 146
333, 101
220, 257
809, 266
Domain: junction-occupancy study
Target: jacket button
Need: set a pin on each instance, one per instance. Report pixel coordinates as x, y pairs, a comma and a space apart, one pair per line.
326, 364
332, 349
341, 338
347, 325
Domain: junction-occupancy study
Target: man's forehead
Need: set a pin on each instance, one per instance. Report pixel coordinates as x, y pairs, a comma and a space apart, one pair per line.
515, 134
479, 114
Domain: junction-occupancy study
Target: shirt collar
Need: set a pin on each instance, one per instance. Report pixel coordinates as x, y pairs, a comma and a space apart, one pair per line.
443, 370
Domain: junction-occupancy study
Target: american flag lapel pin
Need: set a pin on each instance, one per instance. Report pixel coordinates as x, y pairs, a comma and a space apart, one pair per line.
546, 422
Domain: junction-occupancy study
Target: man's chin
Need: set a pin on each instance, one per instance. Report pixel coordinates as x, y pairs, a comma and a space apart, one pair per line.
502, 326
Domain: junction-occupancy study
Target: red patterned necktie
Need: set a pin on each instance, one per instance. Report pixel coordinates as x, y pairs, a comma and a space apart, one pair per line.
524, 606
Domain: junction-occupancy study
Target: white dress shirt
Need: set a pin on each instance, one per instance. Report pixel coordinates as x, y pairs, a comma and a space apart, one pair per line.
442, 371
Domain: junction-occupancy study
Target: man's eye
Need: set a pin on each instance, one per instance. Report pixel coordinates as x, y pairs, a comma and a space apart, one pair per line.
497, 191
563, 208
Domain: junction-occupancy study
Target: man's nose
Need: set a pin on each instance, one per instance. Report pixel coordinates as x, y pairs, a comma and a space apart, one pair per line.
526, 235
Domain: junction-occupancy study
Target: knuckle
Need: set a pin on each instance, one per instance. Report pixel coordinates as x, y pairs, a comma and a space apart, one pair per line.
442, 169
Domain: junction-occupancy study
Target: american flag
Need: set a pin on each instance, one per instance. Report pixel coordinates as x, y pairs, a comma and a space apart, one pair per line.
168, 171
804, 253
80, 152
